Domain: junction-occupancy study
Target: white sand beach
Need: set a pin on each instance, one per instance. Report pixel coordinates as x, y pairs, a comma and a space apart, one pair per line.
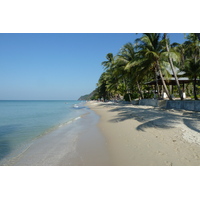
149, 136
114, 134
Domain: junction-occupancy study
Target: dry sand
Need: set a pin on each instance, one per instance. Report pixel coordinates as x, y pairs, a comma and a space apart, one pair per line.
149, 136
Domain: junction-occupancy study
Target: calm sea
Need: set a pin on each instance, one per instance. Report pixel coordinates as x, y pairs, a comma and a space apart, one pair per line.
21, 122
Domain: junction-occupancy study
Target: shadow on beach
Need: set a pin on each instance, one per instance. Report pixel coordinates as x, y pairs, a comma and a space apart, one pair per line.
154, 116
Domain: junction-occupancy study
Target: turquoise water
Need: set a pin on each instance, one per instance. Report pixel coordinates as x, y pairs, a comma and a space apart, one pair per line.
21, 122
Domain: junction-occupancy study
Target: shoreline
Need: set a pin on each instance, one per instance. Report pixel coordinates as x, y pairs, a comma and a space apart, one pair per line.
149, 136
114, 134
78, 143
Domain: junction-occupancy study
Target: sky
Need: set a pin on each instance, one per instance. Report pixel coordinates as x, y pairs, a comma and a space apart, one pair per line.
56, 66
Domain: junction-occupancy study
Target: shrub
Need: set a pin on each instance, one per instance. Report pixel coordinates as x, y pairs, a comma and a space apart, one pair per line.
133, 96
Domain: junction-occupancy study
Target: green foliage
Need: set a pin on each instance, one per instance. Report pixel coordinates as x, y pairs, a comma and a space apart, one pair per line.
127, 98
148, 95
135, 95
132, 95
138, 63
192, 96
92, 95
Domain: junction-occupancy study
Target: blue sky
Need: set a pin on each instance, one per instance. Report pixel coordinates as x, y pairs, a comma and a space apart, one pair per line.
56, 66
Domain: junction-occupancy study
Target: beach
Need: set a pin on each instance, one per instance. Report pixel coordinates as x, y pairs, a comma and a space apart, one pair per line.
117, 134
149, 136
78, 143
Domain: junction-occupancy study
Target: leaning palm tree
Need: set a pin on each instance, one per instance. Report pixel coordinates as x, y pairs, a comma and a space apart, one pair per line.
151, 50
170, 54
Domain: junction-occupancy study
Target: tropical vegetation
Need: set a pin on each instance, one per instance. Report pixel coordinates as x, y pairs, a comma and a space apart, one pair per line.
151, 57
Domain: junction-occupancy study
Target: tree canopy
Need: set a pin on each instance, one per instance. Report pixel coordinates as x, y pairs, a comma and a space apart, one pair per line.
149, 58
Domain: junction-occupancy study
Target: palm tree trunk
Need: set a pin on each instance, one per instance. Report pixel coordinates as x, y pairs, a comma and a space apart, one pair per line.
140, 91
163, 82
172, 67
129, 97
195, 93
157, 86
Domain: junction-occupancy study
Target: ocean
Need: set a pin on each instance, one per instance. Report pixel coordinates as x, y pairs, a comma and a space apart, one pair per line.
23, 122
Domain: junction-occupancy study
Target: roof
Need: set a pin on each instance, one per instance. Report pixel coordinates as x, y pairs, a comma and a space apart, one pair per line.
177, 70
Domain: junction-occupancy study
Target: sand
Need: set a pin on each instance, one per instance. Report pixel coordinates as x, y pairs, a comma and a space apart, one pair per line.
149, 136
113, 134
76, 144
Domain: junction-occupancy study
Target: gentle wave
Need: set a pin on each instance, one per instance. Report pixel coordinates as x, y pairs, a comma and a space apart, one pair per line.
22, 122
79, 106
70, 121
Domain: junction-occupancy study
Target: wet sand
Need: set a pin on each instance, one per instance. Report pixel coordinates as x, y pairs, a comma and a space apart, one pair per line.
148, 136
77, 144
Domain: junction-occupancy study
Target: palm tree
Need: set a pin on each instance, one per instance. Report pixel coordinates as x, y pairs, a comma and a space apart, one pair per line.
109, 67
192, 69
197, 35
181, 49
108, 64
150, 54
114, 73
128, 57
102, 91
121, 77
151, 50
192, 61
172, 66
192, 47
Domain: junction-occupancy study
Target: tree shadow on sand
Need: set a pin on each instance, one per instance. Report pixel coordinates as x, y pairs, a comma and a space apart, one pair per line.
155, 117
191, 123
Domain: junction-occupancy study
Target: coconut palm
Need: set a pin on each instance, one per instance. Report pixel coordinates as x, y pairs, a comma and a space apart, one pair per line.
110, 73
193, 47
128, 57
181, 49
151, 50
172, 65
102, 83
149, 55
109, 63
192, 61
192, 69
